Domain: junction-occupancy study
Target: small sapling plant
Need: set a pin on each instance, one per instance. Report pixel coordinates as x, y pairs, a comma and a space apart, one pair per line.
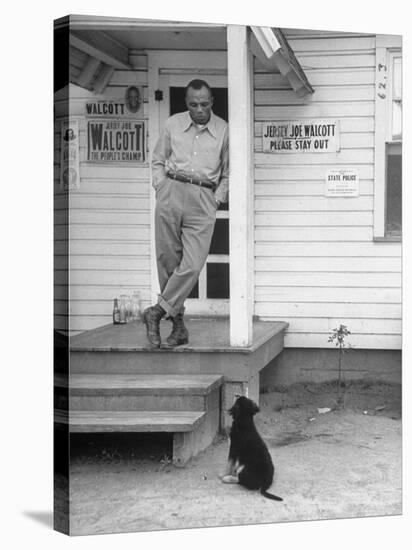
338, 337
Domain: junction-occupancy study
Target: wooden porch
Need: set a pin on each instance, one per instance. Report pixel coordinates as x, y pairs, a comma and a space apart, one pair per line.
118, 383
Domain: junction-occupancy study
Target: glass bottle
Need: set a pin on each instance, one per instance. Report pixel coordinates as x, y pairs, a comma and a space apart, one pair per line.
136, 306
116, 312
122, 309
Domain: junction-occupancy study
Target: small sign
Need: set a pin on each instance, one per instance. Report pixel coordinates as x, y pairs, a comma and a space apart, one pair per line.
301, 136
342, 183
69, 155
120, 140
129, 105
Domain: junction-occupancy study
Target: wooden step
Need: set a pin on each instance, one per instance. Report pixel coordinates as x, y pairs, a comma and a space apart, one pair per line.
143, 384
129, 421
193, 431
131, 392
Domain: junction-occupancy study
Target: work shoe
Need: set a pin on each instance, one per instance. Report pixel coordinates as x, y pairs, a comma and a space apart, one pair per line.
179, 334
151, 318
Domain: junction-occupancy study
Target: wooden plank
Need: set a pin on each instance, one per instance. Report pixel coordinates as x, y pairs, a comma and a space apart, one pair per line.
327, 93
80, 306
349, 60
292, 311
352, 157
305, 173
129, 78
315, 110
94, 292
359, 341
318, 78
381, 117
103, 232
102, 47
337, 44
290, 294
100, 186
327, 324
318, 234
240, 77
303, 249
88, 72
313, 219
132, 279
314, 204
108, 172
140, 384
108, 217
110, 263
331, 264
107, 248
310, 279
129, 421
307, 188
208, 335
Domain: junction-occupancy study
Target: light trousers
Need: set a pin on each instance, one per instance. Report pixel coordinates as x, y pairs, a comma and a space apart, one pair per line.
185, 216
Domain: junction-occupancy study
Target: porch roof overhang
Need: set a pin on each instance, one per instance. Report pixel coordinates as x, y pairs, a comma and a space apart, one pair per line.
270, 46
107, 42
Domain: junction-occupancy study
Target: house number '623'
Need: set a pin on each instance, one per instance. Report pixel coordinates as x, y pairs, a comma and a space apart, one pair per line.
382, 85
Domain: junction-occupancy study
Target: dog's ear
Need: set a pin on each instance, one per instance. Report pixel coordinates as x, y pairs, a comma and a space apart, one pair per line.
255, 408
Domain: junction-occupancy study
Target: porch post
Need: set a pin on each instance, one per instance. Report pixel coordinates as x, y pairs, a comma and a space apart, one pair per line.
241, 127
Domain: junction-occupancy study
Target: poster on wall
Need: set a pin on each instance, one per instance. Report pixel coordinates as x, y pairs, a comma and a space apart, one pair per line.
130, 105
115, 140
301, 136
69, 155
342, 183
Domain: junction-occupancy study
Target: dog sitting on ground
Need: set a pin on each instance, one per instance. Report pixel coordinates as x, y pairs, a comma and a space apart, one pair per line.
249, 463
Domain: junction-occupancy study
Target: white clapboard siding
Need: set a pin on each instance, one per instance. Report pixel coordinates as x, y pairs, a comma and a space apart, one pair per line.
316, 110
297, 312
316, 265
329, 265
318, 78
304, 219
108, 219
304, 172
325, 93
325, 249
102, 232
305, 188
357, 341
310, 204
331, 279
313, 234
310, 294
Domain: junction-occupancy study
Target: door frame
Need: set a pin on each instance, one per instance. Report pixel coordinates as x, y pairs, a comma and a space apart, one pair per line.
237, 63
177, 68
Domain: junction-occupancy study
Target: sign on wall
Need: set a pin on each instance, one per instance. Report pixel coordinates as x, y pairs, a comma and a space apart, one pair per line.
301, 136
69, 155
115, 140
129, 105
342, 183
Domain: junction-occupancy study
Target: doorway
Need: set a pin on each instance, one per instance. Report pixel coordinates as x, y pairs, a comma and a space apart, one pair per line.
210, 295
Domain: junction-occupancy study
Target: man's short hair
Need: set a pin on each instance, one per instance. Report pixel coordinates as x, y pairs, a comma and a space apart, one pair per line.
198, 84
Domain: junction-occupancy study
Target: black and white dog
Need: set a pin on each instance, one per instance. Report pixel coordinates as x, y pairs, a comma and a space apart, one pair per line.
249, 463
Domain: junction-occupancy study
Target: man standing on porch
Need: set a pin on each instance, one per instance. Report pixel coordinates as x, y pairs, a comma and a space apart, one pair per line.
190, 169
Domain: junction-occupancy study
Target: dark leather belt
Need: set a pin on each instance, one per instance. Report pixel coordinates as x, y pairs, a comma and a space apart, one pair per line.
195, 181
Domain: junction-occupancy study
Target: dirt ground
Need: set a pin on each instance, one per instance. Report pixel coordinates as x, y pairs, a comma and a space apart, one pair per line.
329, 464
